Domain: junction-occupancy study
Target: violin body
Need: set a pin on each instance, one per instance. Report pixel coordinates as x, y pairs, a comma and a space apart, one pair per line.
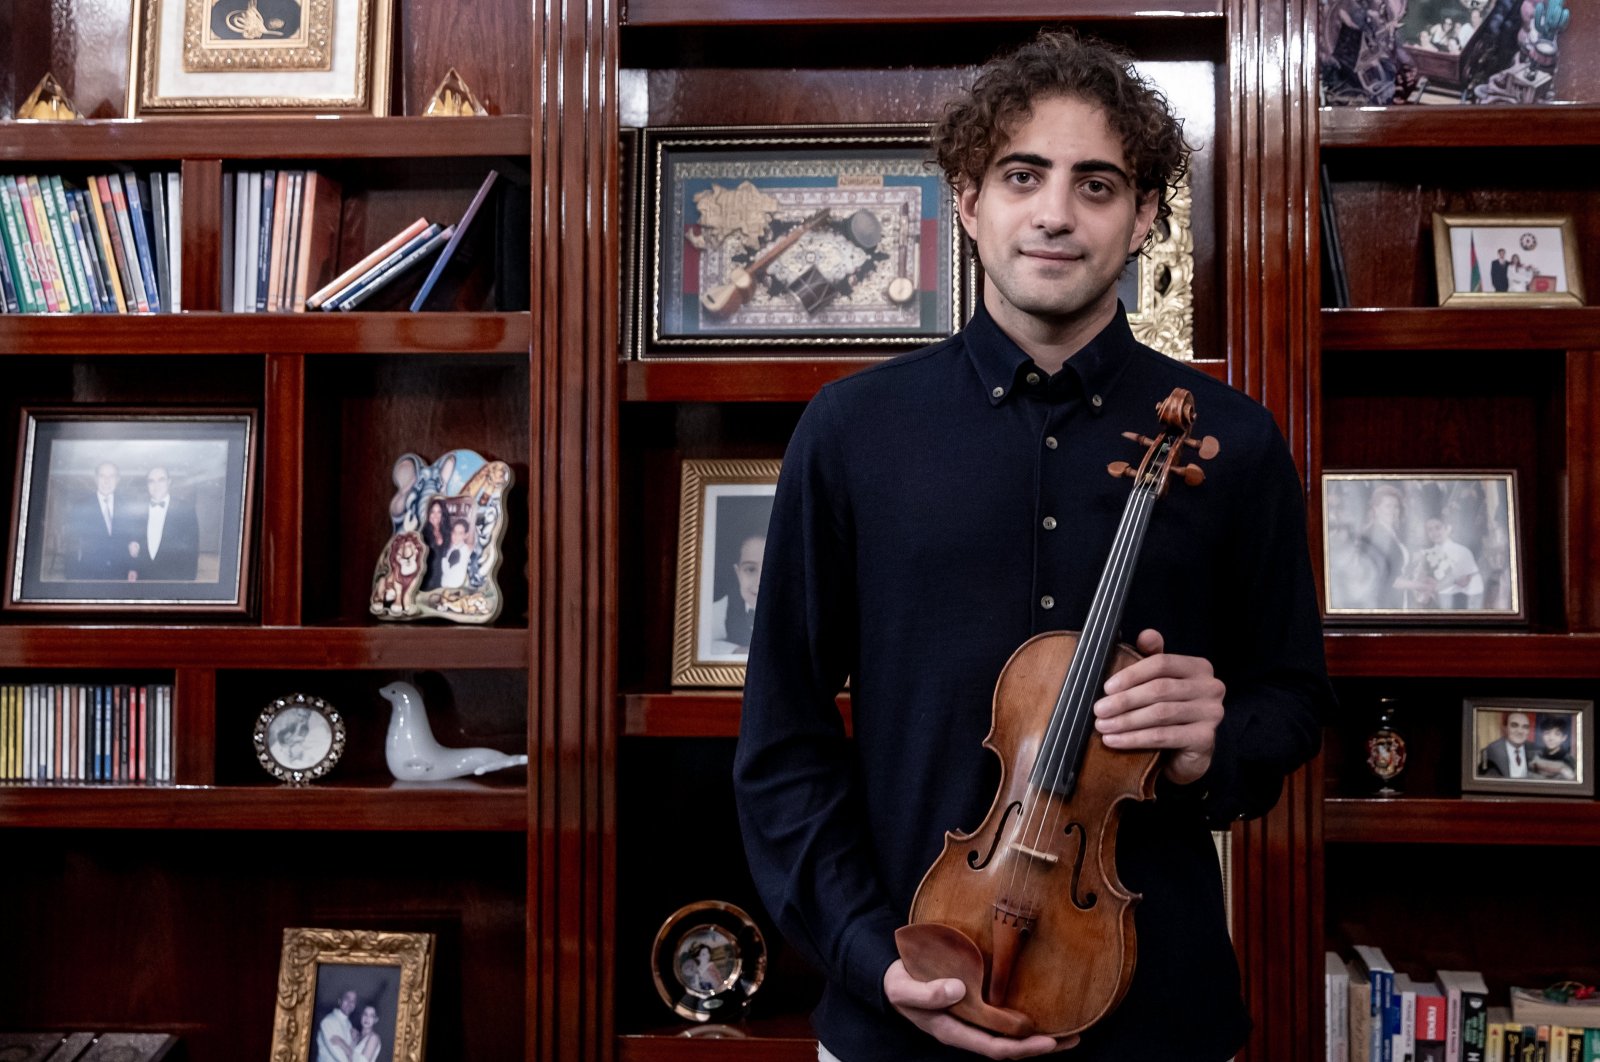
1027, 910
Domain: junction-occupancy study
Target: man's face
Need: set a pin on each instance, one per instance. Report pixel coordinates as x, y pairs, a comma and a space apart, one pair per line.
748, 568
1516, 728
1055, 218
159, 484
1437, 531
106, 478
347, 1002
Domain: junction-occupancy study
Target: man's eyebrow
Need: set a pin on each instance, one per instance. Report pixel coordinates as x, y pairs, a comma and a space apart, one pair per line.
1083, 166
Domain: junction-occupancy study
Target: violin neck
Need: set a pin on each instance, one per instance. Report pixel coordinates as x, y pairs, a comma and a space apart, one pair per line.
1071, 722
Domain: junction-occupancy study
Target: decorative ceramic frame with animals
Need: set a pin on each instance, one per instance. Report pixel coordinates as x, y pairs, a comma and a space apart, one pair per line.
319, 967
454, 580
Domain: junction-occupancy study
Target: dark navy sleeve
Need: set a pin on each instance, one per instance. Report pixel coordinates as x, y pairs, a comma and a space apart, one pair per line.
799, 805
1277, 688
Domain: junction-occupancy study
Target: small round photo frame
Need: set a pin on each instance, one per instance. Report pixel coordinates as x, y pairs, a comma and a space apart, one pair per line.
299, 738
709, 959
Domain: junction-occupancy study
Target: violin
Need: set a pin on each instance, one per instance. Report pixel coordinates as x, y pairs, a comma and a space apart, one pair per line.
723, 299
1027, 911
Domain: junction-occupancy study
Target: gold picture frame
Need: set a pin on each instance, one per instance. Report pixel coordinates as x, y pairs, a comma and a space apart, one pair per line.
1492, 273
230, 56
1161, 313
723, 510
322, 968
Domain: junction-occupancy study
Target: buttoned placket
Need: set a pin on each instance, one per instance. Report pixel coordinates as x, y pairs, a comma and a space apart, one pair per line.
1050, 415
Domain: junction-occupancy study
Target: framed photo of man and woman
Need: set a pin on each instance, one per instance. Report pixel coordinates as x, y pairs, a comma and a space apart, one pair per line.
1503, 260
1528, 746
352, 996
1422, 547
122, 510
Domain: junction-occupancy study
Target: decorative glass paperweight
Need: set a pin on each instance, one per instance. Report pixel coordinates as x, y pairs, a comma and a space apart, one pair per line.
453, 99
1386, 748
48, 102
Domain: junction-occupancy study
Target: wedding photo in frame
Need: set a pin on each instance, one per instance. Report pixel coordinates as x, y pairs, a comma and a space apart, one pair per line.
1422, 547
132, 510
722, 534
354, 994
1507, 260
269, 56
766, 241
1536, 747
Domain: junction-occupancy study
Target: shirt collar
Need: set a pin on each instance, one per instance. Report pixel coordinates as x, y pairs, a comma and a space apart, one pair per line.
1000, 363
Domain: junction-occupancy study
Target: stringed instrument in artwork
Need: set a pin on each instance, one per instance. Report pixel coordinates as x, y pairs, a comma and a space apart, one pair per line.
1027, 910
723, 299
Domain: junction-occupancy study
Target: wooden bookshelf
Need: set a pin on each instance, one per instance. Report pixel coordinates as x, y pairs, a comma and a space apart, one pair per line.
1554, 328
1542, 126
1463, 820
776, 12
126, 645
210, 332
779, 1039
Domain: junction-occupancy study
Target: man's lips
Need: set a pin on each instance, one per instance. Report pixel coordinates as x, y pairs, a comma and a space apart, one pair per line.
1049, 254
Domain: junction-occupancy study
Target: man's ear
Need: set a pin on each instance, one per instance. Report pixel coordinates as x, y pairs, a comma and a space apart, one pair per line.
967, 208
1143, 218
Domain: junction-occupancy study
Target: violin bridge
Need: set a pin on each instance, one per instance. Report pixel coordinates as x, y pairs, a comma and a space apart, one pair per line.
1033, 853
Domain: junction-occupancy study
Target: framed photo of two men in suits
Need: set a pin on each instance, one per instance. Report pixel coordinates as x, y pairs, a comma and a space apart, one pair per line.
122, 510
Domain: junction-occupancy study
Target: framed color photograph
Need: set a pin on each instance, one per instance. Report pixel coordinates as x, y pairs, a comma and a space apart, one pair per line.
1504, 260
1422, 547
722, 535
839, 239
121, 510
192, 56
1536, 747
352, 994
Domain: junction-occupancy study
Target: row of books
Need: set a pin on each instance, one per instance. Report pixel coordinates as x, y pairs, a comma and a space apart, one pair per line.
280, 243
110, 246
75, 733
1374, 1014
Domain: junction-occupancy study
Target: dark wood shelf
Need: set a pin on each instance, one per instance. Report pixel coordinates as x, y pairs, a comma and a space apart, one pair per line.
1540, 328
293, 137
786, 1038
1467, 820
1461, 654
1543, 125
417, 806
263, 648
265, 333
691, 713
764, 12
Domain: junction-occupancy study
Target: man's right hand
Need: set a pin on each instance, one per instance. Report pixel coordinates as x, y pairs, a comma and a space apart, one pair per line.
926, 1005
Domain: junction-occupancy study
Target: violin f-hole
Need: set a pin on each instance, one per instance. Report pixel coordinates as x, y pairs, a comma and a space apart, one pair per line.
994, 844
1077, 868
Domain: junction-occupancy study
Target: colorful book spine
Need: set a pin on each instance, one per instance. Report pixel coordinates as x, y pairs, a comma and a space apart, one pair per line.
90, 203
450, 248
131, 265
20, 248
338, 283
129, 300
269, 193
71, 260
405, 265
138, 219
174, 189
77, 216
8, 286
50, 228
157, 206
49, 270
366, 279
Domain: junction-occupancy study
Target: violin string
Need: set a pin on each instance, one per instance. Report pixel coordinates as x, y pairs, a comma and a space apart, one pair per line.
1062, 742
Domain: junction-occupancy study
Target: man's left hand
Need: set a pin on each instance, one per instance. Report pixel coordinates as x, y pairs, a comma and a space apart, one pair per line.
1164, 701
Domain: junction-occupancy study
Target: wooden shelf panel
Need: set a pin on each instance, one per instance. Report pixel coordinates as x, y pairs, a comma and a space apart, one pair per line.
265, 333
292, 137
773, 380
1461, 654
1469, 820
1544, 125
263, 648
1541, 328
418, 806
691, 713
785, 1038
762, 12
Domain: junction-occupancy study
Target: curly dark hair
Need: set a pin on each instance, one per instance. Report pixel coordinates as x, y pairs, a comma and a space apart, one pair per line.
1060, 63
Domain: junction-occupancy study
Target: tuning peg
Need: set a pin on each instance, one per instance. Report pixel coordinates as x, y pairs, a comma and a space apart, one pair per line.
1192, 475
1208, 446
1142, 440
1122, 468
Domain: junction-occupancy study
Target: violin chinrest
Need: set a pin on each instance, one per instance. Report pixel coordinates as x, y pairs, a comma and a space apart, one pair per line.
931, 950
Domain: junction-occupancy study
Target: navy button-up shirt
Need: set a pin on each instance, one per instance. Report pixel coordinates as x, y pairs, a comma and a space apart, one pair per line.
933, 513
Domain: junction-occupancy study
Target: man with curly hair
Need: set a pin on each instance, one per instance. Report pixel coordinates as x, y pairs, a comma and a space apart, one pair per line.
937, 510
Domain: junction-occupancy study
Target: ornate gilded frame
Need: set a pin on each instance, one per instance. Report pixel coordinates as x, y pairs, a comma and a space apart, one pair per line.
305, 951
1163, 314
696, 661
1444, 260
340, 63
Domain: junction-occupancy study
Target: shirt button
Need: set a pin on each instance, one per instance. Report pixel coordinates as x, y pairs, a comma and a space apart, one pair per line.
1047, 602
1033, 377
1095, 401
1049, 523
999, 392
1050, 442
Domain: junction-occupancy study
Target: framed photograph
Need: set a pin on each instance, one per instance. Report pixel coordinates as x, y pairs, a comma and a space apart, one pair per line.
352, 994
194, 56
823, 239
1422, 547
722, 535
1157, 288
299, 738
709, 959
1518, 745
123, 510
1507, 260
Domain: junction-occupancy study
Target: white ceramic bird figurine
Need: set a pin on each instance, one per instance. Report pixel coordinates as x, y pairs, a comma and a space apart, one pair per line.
414, 755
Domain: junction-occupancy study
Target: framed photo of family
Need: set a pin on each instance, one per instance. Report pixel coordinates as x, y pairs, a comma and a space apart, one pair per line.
722, 534
195, 56
124, 510
1507, 260
352, 994
1422, 547
767, 241
1528, 746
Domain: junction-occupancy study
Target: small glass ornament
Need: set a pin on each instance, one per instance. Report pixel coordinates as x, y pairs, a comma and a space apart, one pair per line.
48, 102
453, 99
1386, 748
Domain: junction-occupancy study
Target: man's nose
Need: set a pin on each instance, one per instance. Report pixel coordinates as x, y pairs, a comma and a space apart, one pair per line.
1054, 210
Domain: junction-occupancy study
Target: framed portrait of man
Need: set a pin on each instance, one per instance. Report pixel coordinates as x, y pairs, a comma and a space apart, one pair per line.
1537, 747
352, 994
723, 515
121, 510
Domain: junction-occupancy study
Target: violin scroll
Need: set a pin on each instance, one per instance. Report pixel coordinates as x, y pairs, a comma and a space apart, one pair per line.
1176, 411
